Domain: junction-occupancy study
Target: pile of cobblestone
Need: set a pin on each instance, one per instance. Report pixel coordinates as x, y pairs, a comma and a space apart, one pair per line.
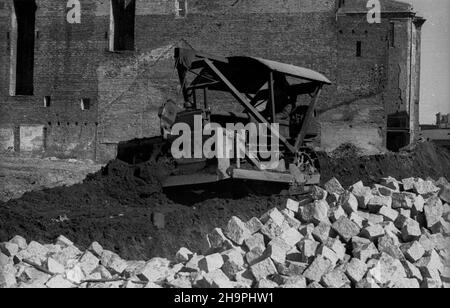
394, 234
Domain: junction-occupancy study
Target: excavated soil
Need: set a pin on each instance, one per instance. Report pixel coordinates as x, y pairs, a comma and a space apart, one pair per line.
115, 206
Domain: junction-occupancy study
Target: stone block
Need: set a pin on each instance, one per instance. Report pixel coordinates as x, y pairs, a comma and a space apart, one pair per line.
19, 241
411, 231
372, 233
321, 233
96, 249
155, 270
413, 251
346, 229
89, 262
254, 225
333, 186
263, 269
292, 205
58, 282
356, 270
335, 279
211, 263
388, 214
425, 188
183, 255
377, 202
434, 209
318, 268
348, 202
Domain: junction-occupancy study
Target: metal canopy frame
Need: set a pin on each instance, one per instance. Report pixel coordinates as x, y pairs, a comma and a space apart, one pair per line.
314, 88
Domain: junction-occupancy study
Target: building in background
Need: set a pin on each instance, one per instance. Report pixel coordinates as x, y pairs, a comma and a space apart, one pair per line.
439, 133
77, 90
443, 120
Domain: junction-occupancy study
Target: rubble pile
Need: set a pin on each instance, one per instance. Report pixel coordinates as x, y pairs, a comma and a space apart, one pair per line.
393, 234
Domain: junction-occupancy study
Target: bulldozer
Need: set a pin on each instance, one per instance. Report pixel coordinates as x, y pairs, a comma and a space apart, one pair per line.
237, 92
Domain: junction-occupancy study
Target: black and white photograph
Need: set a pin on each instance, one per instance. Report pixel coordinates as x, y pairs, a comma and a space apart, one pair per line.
223, 150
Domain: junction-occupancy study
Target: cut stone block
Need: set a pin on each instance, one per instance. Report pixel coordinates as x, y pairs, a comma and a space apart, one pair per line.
363, 194
291, 237
335, 279
318, 193
336, 213
9, 249
75, 274
434, 209
308, 249
413, 251
294, 282
183, 255
255, 241
255, 255
412, 271
382, 190
275, 215
267, 284
388, 214
217, 241
402, 201
334, 187
365, 252
337, 246
233, 262
431, 265
418, 204
391, 183
89, 263
271, 230
444, 194
155, 270
321, 233
254, 225
263, 269
292, 268
63, 241
425, 188
58, 282
318, 268
411, 231
211, 263
389, 245
237, 231
408, 184
373, 232
328, 254
377, 202
357, 219
406, 283
191, 266
292, 205
55, 267
96, 249
348, 202
346, 229
387, 270
19, 241
356, 270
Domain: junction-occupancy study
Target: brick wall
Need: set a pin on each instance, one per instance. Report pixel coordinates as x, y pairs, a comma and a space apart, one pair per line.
72, 61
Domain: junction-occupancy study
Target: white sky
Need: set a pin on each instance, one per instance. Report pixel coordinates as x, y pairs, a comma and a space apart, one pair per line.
435, 81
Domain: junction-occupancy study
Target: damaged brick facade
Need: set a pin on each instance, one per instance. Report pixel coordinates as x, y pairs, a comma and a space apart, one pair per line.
373, 101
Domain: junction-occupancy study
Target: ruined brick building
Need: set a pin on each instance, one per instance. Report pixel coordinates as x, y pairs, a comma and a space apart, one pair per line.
77, 89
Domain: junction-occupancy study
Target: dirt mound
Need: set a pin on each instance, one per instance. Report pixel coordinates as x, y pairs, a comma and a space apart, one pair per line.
423, 160
115, 206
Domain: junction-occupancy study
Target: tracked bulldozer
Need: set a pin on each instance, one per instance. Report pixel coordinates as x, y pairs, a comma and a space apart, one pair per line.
237, 92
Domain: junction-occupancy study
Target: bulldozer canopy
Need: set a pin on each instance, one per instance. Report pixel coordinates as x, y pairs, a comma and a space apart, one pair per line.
247, 74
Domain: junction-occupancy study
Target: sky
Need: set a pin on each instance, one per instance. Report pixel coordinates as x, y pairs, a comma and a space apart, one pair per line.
435, 78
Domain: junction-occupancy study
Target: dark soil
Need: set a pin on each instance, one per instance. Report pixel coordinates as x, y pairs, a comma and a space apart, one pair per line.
115, 206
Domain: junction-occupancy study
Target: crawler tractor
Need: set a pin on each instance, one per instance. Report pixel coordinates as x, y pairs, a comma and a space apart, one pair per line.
239, 90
